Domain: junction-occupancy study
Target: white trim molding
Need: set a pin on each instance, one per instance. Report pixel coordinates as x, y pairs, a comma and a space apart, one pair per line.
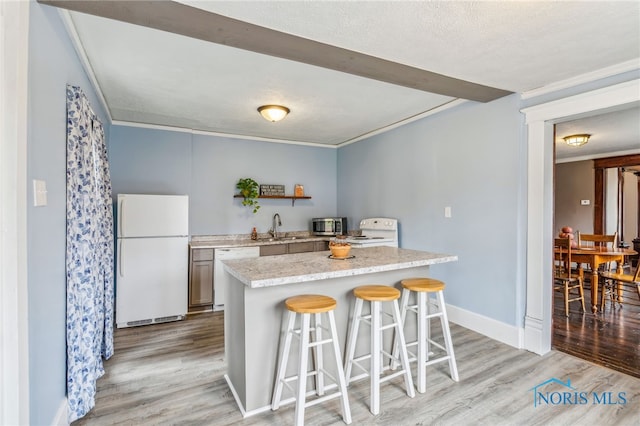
62, 415
452, 104
65, 16
540, 145
14, 330
494, 329
621, 68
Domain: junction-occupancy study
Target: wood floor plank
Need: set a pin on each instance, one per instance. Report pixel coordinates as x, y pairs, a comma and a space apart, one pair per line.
610, 338
172, 373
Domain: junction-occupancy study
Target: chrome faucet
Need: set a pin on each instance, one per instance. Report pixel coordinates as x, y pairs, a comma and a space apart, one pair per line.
274, 225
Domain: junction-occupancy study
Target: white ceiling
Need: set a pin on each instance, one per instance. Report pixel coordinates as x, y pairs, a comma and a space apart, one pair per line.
161, 78
613, 132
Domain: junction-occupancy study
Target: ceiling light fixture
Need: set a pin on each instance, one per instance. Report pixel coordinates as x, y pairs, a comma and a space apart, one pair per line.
273, 113
576, 140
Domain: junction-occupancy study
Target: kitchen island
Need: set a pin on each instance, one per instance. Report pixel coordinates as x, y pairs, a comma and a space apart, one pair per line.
254, 306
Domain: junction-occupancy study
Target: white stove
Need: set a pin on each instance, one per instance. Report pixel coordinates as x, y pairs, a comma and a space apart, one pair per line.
377, 231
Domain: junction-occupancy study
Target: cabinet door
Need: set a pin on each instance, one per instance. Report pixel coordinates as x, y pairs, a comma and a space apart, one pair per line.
301, 247
272, 250
201, 277
201, 291
321, 246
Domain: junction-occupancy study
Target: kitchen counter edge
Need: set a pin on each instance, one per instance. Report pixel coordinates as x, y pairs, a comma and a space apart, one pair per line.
247, 242
277, 270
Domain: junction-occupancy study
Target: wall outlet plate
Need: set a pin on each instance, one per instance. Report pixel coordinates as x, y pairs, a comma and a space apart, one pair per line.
585, 202
39, 193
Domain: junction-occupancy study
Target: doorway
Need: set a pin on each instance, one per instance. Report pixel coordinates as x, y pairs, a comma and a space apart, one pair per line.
539, 216
608, 338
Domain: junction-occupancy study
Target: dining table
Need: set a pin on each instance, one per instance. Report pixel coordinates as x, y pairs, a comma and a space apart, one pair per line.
595, 256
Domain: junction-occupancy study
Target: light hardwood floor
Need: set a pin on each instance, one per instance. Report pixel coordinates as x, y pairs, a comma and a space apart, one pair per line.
172, 374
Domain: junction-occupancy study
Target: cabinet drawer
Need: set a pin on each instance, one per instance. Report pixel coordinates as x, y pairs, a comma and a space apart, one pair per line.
301, 247
321, 246
201, 254
273, 250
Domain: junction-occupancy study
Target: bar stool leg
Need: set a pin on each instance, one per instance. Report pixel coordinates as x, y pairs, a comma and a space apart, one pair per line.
375, 358
342, 383
351, 340
404, 301
302, 370
447, 337
404, 356
284, 358
423, 342
317, 353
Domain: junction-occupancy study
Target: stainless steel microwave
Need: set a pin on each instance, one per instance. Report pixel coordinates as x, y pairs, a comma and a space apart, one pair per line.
329, 225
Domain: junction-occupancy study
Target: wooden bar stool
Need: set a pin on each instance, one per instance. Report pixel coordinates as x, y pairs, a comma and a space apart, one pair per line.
376, 295
306, 305
422, 287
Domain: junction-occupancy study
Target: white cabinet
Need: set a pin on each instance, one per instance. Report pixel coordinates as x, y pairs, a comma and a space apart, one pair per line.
220, 277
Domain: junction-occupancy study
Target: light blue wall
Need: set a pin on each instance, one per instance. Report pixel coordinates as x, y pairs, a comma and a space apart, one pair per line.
471, 158
207, 169
52, 64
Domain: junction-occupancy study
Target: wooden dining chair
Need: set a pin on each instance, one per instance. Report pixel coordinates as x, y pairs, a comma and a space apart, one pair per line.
613, 280
599, 240
564, 279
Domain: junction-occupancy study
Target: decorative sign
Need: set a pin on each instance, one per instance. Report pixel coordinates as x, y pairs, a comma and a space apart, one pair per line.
272, 190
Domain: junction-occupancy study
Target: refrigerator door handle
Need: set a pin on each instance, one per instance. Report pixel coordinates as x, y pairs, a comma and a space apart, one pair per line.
120, 257
121, 218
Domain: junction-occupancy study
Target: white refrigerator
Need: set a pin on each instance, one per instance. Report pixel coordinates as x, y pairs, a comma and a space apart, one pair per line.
152, 256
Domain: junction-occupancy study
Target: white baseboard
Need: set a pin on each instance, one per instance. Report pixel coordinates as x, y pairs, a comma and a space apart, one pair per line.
244, 413
496, 330
62, 415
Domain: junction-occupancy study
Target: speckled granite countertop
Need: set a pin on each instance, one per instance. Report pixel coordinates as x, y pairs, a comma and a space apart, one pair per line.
295, 268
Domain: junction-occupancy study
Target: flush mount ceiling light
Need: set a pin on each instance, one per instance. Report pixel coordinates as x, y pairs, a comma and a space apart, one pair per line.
576, 140
273, 112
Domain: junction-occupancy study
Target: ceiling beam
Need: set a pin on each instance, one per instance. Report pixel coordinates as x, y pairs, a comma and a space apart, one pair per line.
192, 22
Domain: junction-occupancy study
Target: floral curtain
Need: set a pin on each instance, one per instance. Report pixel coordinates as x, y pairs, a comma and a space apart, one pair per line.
89, 258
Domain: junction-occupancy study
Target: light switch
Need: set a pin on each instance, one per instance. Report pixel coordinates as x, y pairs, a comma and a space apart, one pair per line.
447, 211
39, 193
585, 202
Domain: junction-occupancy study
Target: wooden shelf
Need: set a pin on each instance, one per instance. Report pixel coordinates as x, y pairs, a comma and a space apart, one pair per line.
293, 198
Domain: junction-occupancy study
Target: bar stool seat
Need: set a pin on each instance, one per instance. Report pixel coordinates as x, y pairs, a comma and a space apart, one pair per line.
310, 306
422, 287
376, 295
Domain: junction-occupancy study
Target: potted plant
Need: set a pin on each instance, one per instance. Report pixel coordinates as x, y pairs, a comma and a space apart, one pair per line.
249, 189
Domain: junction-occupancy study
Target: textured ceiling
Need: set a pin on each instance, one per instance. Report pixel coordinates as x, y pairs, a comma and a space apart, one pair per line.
617, 132
516, 46
160, 78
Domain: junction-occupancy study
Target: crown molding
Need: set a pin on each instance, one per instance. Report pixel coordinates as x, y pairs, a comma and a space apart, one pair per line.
620, 68
451, 104
597, 156
84, 59
218, 134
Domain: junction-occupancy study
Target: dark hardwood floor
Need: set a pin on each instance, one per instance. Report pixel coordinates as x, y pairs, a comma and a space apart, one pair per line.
610, 338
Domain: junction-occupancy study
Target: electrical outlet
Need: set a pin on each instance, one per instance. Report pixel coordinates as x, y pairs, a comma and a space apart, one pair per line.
585, 202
